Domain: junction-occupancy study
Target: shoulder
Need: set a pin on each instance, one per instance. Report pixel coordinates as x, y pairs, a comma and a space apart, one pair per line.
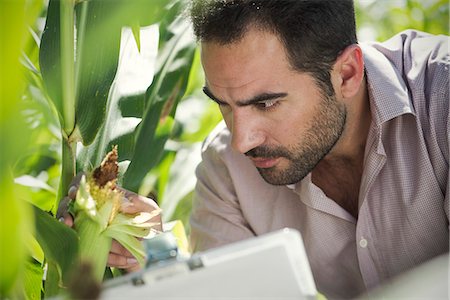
416, 66
219, 157
218, 140
418, 62
414, 46
218, 153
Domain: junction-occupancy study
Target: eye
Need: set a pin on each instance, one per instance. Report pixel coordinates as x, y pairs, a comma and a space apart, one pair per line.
267, 104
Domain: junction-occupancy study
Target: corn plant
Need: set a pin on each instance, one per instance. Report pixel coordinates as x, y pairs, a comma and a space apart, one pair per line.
81, 54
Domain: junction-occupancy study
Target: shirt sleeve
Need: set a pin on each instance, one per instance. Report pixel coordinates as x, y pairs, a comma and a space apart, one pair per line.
447, 191
437, 90
429, 70
216, 217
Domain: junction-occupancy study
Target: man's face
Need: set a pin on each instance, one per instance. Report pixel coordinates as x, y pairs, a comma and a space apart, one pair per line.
278, 117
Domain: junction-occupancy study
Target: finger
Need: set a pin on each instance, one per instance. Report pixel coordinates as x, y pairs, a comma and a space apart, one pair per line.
118, 249
134, 203
76, 180
122, 262
74, 185
136, 206
133, 268
72, 193
66, 219
62, 207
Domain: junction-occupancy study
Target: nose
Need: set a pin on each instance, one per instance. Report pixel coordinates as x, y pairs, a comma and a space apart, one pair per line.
246, 133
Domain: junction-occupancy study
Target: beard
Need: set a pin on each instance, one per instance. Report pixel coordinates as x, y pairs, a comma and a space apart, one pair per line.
321, 136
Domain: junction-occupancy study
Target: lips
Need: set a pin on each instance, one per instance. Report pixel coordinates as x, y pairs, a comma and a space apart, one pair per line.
264, 162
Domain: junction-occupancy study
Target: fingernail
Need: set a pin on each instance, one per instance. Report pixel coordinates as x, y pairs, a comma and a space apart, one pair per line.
72, 193
127, 204
131, 261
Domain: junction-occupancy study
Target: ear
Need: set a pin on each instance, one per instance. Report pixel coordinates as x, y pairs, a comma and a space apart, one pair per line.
349, 69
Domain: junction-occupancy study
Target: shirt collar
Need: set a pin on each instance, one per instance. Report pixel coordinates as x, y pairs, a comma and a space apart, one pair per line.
388, 92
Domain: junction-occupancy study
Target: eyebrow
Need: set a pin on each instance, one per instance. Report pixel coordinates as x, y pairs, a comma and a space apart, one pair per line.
257, 99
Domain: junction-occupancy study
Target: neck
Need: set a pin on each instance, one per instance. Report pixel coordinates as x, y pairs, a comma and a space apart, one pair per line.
339, 173
351, 145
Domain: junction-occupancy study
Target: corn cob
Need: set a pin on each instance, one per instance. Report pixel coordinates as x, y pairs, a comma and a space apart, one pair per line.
98, 218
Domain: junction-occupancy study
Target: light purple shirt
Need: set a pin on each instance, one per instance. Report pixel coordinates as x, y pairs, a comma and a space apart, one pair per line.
404, 195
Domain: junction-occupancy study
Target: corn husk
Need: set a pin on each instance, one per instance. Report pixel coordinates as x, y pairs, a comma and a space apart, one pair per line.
98, 218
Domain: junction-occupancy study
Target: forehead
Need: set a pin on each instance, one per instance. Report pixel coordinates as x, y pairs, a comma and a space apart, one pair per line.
258, 55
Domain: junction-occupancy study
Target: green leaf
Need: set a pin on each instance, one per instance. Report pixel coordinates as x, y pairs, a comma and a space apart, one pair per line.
98, 55
142, 12
134, 75
176, 51
33, 279
100, 24
181, 182
14, 225
50, 55
56, 58
59, 242
173, 68
52, 285
16, 218
142, 163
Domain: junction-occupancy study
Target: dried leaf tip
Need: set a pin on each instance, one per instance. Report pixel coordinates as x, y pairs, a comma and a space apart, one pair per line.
108, 169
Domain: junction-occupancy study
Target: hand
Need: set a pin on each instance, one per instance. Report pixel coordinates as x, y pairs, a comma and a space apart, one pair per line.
132, 203
63, 214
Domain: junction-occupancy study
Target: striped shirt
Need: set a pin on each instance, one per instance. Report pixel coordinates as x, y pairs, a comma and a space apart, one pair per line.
403, 217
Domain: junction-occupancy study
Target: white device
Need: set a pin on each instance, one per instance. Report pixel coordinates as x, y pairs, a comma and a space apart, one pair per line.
270, 266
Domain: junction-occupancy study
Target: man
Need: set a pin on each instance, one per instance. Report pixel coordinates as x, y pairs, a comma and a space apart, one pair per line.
347, 143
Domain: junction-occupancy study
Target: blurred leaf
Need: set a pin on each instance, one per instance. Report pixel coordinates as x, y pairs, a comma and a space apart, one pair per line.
15, 216
34, 249
36, 191
386, 18
33, 279
181, 182
59, 242
183, 211
162, 173
33, 182
141, 12
15, 222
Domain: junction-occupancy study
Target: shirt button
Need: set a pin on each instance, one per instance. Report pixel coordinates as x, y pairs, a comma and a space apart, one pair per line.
363, 243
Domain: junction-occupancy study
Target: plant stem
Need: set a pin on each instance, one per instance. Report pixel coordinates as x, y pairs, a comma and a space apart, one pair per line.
67, 64
68, 162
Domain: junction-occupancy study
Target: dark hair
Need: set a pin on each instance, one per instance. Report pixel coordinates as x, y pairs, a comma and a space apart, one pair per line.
313, 32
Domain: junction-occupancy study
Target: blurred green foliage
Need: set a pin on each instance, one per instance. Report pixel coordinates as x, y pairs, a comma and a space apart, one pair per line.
381, 19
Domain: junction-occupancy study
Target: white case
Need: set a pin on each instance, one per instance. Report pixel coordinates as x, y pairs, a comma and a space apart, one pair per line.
271, 266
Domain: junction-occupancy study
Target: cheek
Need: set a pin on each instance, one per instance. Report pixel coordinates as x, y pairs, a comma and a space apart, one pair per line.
291, 129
